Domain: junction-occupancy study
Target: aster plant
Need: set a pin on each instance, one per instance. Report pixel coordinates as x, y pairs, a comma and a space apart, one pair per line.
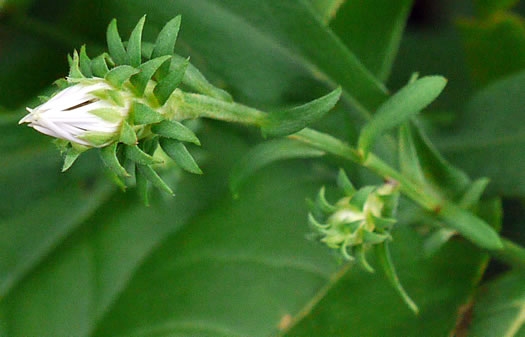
131, 104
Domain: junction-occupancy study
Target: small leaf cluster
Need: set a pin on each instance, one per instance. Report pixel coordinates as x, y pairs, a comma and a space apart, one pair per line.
358, 221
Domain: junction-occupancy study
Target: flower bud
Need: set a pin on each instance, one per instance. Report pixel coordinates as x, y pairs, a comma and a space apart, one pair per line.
81, 115
356, 222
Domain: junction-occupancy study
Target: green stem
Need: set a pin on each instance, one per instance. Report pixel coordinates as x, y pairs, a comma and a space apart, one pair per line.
511, 253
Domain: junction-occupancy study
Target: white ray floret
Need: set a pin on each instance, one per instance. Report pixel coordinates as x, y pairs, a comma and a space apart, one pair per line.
68, 115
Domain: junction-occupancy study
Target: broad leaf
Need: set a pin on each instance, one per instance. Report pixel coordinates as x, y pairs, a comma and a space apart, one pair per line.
372, 29
499, 308
489, 138
488, 42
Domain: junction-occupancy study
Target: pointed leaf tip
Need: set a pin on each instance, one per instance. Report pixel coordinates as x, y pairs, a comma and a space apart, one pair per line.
115, 46
167, 38
119, 75
135, 43
180, 155
400, 108
167, 86
283, 123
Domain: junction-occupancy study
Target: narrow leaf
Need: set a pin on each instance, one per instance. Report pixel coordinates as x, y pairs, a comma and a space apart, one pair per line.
408, 156
127, 134
175, 130
135, 154
154, 178
108, 155
147, 70
193, 78
85, 63
402, 106
344, 183
470, 226
167, 37
118, 75
474, 193
286, 122
265, 154
99, 66
71, 156
143, 114
437, 171
115, 45
196, 81
165, 88
135, 43
74, 70
178, 152
385, 260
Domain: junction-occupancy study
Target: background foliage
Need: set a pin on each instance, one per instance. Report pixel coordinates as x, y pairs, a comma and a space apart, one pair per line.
80, 258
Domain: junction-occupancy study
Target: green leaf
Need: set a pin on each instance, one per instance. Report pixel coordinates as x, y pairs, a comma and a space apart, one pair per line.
150, 174
167, 37
385, 260
372, 29
488, 41
115, 45
127, 134
178, 152
143, 114
135, 154
49, 222
135, 44
499, 307
399, 108
488, 140
282, 123
147, 70
85, 62
74, 70
118, 75
165, 43
175, 130
265, 154
168, 84
421, 161
195, 80
345, 184
470, 226
99, 65
71, 156
109, 157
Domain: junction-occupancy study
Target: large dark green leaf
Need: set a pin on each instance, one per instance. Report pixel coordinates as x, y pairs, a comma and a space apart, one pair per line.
93, 264
372, 29
495, 46
489, 138
499, 308
236, 270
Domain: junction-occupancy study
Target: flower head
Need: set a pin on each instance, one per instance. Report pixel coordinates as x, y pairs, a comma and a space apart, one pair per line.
80, 115
357, 221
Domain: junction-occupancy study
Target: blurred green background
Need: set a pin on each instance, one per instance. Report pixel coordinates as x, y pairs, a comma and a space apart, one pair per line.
80, 258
